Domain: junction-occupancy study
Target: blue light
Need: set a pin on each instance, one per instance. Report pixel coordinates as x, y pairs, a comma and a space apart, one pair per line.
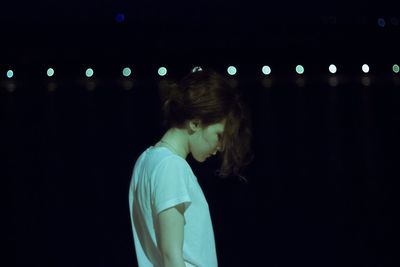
120, 17
381, 22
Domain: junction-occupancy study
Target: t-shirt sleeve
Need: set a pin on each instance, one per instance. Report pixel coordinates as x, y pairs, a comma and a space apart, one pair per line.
171, 184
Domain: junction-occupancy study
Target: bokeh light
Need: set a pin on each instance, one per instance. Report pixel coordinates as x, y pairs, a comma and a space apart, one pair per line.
381, 22
162, 71
365, 68
332, 68
232, 70
120, 17
89, 72
394, 21
126, 72
266, 70
50, 72
197, 68
396, 68
10, 74
299, 69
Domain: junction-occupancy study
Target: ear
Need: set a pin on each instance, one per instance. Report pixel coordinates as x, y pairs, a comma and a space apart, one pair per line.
194, 125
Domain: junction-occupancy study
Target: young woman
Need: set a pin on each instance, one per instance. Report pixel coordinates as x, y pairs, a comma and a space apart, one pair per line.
171, 222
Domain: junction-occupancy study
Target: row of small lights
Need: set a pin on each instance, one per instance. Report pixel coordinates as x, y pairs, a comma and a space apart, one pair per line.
231, 70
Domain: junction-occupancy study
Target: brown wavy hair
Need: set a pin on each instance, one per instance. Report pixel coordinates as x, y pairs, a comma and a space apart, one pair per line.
209, 97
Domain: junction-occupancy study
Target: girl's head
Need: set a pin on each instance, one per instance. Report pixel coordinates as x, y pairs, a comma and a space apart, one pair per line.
205, 99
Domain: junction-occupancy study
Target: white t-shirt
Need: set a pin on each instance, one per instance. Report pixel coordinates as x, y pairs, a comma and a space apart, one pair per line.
160, 180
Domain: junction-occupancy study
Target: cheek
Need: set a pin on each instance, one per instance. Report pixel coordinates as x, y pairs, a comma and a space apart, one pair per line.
212, 145
202, 145
212, 142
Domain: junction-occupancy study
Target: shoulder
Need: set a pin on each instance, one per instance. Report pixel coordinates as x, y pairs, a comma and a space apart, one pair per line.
171, 162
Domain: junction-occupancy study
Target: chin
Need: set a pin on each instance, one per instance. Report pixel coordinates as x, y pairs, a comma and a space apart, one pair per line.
201, 159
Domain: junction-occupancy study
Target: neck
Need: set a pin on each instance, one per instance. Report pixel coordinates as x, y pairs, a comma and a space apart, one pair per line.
177, 140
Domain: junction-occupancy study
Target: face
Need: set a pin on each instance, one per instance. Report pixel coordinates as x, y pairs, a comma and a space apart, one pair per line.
205, 142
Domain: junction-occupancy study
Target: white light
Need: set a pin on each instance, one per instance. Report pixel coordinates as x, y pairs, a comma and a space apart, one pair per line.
266, 70
50, 72
365, 68
162, 71
332, 68
232, 70
10, 74
89, 72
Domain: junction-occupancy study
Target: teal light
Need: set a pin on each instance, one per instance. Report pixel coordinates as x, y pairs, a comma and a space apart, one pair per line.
232, 70
50, 72
396, 68
266, 70
162, 71
126, 72
10, 74
89, 72
299, 69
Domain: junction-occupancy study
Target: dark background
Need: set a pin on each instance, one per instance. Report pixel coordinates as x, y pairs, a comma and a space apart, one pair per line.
321, 190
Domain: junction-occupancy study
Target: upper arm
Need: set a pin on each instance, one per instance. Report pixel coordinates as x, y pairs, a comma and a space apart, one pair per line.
171, 223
